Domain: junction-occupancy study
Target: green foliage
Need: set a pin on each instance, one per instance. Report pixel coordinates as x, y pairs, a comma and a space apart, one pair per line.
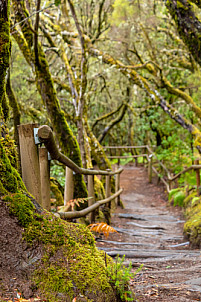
179, 198
172, 192
177, 195
57, 2
188, 178
58, 172
174, 153
122, 11
120, 277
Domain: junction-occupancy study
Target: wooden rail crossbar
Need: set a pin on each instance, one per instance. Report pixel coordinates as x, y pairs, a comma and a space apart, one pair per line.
36, 171
45, 136
167, 179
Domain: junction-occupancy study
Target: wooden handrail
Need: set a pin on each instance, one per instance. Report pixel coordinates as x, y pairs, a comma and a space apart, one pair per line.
150, 152
127, 156
84, 212
45, 135
30, 138
193, 167
124, 147
31, 169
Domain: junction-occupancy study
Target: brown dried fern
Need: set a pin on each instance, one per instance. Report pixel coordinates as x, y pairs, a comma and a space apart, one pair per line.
102, 227
70, 205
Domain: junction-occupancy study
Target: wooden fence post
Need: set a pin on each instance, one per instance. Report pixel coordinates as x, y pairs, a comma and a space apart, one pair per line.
92, 196
108, 187
69, 186
170, 184
197, 176
29, 160
117, 187
45, 178
150, 168
144, 151
118, 154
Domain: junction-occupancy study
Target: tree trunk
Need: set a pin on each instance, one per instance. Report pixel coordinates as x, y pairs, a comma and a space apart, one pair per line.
4, 48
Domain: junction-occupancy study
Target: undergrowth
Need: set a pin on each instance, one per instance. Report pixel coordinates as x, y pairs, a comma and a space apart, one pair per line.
120, 276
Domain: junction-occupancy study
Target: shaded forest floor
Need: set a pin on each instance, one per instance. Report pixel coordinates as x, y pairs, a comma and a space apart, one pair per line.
150, 232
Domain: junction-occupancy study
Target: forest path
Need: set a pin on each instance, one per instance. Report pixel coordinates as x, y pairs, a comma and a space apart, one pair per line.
151, 233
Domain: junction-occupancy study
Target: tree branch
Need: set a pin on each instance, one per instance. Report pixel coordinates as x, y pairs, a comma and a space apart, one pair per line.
188, 25
113, 123
105, 116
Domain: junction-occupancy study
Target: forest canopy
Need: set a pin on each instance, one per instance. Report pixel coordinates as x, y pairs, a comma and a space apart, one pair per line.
83, 60
107, 72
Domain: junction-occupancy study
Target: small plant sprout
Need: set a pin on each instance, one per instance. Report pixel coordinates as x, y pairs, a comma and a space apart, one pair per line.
120, 277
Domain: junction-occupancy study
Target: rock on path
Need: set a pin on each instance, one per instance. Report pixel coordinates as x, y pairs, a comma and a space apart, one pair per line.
151, 233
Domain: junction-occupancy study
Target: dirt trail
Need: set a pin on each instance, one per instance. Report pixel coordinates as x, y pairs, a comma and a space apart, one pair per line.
150, 233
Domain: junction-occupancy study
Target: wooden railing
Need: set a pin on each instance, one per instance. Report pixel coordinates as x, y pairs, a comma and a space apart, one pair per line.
154, 164
35, 164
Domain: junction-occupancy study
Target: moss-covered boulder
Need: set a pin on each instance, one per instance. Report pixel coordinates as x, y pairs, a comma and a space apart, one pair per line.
192, 227
69, 264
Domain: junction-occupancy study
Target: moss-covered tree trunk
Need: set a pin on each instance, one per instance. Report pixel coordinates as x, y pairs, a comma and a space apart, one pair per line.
15, 108
188, 24
4, 48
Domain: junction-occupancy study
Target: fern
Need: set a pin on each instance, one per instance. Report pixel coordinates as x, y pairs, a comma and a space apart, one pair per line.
172, 192
179, 198
70, 205
102, 227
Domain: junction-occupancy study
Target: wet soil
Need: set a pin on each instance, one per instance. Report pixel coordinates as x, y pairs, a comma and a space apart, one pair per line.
150, 232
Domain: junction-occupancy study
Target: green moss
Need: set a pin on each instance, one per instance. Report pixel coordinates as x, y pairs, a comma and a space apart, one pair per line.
188, 199
21, 13
5, 107
10, 179
54, 279
4, 55
9, 147
71, 264
21, 207
192, 229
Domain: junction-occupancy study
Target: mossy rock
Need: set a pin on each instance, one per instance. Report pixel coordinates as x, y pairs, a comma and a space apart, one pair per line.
188, 199
192, 227
71, 265
192, 230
